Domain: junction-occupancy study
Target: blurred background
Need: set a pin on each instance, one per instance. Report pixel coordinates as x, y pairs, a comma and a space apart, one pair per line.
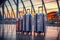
13, 28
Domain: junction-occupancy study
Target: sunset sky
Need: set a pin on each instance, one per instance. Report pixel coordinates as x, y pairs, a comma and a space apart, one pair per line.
52, 6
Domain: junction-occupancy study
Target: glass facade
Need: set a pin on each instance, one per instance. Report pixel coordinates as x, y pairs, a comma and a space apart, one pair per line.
10, 7
15, 10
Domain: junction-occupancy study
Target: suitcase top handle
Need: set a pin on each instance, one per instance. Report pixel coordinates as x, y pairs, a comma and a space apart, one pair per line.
40, 9
28, 11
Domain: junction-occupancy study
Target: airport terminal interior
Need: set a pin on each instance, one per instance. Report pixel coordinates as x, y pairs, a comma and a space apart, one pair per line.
29, 19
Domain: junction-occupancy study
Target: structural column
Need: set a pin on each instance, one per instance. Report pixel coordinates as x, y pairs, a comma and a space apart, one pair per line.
17, 11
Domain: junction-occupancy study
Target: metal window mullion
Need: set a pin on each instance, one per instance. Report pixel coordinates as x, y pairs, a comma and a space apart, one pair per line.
7, 10
11, 7
57, 1
32, 6
24, 8
17, 9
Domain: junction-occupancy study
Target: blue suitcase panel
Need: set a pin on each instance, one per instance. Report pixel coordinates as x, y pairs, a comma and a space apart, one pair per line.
40, 24
21, 24
35, 23
28, 22
24, 23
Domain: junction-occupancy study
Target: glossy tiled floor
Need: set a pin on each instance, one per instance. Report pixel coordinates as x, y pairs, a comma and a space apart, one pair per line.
10, 33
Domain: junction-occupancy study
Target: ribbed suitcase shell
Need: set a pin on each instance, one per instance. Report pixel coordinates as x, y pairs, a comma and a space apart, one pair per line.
40, 23
17, 25
28, 23
35, 22
21, 24
24, 23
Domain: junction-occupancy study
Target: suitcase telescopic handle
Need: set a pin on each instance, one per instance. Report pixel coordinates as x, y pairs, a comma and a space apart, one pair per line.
40, 7
28, 11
